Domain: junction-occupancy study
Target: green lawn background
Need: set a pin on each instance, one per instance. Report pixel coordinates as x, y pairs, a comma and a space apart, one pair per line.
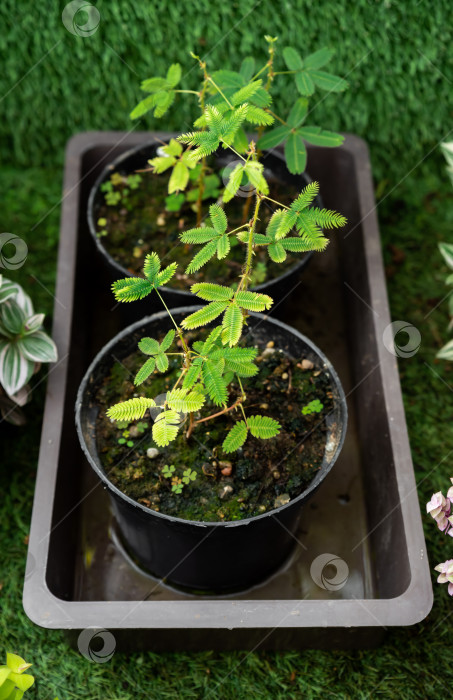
397, 58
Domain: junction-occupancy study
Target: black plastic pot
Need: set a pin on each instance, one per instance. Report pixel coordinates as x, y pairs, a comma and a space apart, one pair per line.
137, 159
200, 556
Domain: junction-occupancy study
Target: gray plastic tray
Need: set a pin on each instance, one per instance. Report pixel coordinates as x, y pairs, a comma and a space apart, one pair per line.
366, 514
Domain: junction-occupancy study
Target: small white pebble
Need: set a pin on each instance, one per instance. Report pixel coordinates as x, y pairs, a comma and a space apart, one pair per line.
306, 364
330, 446
152, 453
282, 500
226, 491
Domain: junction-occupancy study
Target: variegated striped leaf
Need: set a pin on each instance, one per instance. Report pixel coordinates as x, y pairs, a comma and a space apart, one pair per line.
38, 347
15, 369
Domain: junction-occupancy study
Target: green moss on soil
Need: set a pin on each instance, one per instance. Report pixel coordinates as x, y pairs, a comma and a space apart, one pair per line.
139, 224
257, 478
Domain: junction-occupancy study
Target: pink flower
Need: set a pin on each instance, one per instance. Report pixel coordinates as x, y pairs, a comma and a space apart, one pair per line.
439, 508
446, 574
450, 491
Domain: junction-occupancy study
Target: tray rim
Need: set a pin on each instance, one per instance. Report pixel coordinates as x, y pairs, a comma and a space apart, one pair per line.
48, 611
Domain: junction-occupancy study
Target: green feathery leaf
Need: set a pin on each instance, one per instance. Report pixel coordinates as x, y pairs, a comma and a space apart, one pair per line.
239, 354
205, 315
214, 119
246, 92
223, 246
252, 301
165, 275
242, 369
167, 341
256, 115
235, 438
173, 148
306, 197
232, 325
134, 409
185, 402
275, 228
161, 163
192, 375
263, 427
145, 371
174, 74
212, 338
149, 346
258, 238
155, 101
277, 252
215, 384
234, 182
254, 172
212, 292
202, 257
296, 245
311, 233
326, 218
162, 362
207, 143
218, 218
165, 428
241, 142
232, 124
131, 289
179, 178
198, 235
151, 266
153, 85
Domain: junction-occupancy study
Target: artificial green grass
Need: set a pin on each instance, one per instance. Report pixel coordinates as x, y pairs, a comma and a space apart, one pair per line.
396, 57
398, 101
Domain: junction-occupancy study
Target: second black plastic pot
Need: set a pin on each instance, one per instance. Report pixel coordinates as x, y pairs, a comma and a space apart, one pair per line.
137, 159
208, 557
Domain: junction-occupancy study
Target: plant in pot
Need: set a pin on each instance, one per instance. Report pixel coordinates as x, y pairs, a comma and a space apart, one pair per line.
140, 212
241, 417
24, 346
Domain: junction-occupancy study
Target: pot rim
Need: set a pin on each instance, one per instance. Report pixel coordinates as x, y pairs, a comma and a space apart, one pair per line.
111, 166
319, 477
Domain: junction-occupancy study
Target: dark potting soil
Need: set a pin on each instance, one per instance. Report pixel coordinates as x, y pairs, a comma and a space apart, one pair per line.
262, 475
140, 224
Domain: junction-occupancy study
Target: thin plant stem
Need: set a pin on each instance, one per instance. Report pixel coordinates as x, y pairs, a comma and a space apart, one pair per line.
276, 116
260, 71
220, 91
200, 181
248, 263
178, 330
238, 402
275, 201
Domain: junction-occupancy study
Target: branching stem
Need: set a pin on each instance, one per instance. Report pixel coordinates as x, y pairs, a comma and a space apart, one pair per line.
237, 403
